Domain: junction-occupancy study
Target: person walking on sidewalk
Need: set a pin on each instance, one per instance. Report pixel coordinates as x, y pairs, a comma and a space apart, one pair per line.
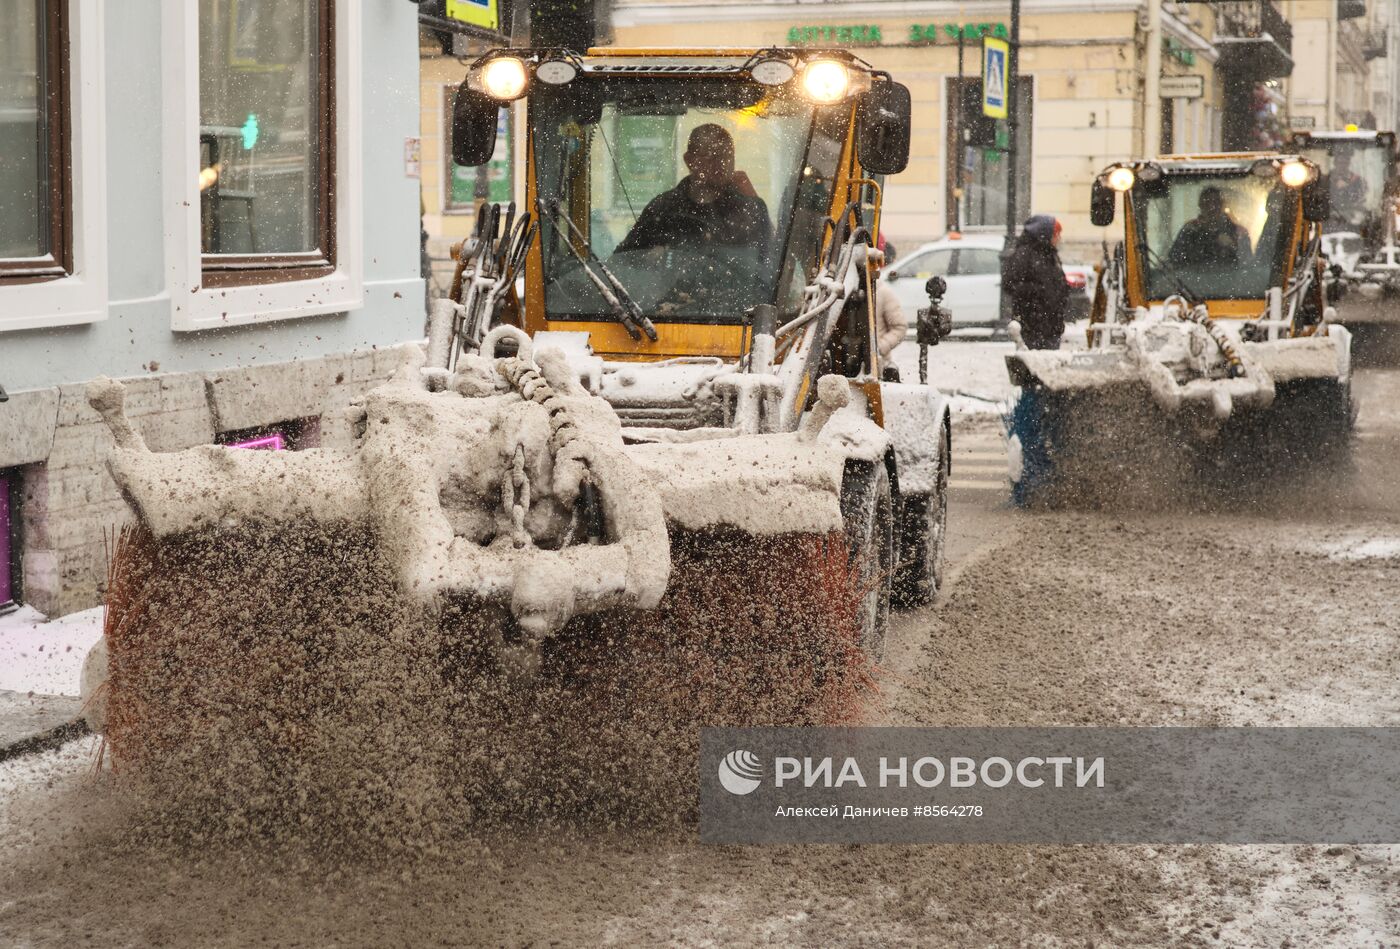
1035, 282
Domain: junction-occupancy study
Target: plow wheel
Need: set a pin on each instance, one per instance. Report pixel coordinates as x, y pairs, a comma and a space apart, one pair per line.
1312, 424
867, 510
924, 533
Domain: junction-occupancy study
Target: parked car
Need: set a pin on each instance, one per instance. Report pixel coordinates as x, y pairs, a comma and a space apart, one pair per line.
971, 264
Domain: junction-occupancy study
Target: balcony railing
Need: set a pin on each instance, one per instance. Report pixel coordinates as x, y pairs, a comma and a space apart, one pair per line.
1254, 39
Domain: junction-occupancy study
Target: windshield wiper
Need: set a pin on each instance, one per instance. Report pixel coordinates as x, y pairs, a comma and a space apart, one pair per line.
614, 293
1171, 273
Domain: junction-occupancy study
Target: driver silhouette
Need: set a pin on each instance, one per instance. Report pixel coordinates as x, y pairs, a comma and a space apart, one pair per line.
713, 204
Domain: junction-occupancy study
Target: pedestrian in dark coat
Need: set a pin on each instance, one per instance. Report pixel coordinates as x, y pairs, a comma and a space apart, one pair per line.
1034, 279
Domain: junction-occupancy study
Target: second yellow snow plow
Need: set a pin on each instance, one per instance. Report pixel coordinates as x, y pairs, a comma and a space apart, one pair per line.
1210, 342
684, 395
1361, 236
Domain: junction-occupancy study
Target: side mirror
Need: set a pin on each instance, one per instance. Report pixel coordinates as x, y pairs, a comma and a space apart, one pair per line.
473, 127
892, 275
883, 118
1102, 205
1317, 199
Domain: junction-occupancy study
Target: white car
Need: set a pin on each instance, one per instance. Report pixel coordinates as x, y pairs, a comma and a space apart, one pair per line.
971, 264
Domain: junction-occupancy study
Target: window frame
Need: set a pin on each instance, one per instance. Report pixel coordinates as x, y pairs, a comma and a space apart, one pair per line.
231, 270
270, 287
78, 294
58, 261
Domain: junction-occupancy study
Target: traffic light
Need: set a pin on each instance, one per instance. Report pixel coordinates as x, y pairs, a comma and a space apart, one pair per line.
979, 130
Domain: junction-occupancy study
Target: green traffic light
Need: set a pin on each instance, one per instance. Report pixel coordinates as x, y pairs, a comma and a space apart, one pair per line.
250, 131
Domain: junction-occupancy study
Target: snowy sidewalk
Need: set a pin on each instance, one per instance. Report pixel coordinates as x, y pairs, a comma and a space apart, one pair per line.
971, 372
41, 664
45, 656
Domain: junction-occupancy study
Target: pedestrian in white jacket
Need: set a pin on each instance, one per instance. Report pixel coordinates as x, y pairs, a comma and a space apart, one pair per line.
890, 322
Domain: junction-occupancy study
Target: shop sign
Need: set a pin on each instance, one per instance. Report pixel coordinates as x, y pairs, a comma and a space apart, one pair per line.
1174, 49
866, 34
1182, 87
483, 13
949, 32
870, 34
1302, 122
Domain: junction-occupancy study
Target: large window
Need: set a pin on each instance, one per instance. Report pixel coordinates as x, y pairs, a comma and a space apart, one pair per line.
978, 153
34, 151
266, 172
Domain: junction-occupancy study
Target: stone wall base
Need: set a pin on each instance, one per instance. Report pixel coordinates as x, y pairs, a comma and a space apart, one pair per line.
69, 508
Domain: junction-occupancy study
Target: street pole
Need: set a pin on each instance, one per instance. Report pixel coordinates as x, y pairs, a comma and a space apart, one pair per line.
1013, 119
959, 139
1152, 108
1013, 68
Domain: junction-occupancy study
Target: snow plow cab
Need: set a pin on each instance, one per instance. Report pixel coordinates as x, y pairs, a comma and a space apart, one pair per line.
655, 386
1209, 334
701, 255
1359, 237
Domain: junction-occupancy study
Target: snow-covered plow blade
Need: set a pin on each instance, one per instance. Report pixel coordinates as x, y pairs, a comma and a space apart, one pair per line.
488, 530
1170, 408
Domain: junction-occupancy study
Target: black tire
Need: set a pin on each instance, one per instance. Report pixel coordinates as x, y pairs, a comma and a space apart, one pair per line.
1312, 424
924, 534
868, 513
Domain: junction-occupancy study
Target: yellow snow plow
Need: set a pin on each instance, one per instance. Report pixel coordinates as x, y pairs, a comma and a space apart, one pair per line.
1359, 237
653, 401
1210, 346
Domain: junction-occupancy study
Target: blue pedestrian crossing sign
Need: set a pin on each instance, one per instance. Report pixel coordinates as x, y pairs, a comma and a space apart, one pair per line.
994, 76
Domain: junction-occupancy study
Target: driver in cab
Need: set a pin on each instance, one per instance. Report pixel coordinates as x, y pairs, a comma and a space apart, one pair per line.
1211, 239
713, 204
1348, 191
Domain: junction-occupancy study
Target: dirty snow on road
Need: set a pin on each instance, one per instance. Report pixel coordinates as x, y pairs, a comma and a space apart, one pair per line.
1280, 615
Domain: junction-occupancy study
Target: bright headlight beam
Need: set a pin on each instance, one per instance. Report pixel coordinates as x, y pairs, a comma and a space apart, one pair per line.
825, 81
504, 78
1121, 179
1294, 174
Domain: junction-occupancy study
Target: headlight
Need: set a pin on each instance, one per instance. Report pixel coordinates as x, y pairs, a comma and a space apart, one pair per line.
825, 81
504, 78
1121, 179
1295, 174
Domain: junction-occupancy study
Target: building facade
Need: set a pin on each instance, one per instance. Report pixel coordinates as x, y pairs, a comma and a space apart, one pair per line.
214, 201
1234, 75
